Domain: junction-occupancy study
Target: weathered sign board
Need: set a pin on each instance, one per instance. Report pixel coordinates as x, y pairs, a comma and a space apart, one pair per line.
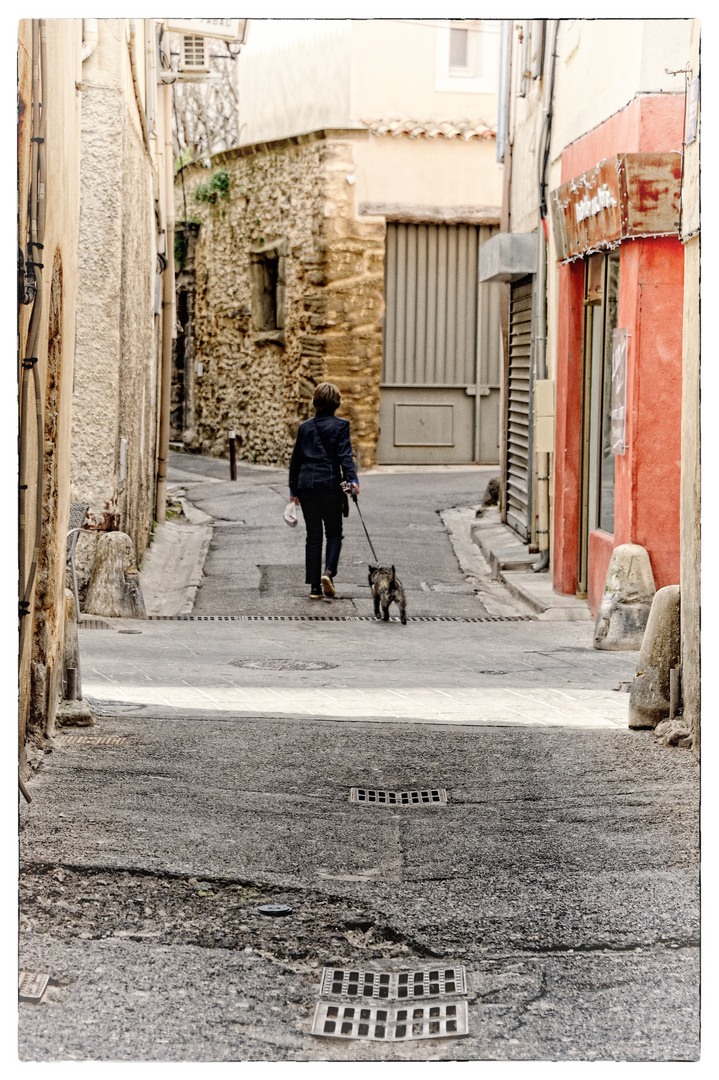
225, 29
624, 196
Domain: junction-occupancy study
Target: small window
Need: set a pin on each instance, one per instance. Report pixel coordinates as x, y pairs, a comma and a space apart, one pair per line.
458, 49
467, 56
267, 270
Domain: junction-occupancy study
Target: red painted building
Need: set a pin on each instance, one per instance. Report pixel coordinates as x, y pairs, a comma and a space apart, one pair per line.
615, 220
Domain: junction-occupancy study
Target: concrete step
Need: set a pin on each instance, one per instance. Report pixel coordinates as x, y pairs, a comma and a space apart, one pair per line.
512, 563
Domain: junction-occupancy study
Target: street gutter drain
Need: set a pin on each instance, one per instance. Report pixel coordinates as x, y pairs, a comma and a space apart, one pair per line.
438, 1021
418, 983
342, 618
271, 664
31, 986
91, 740
421, 797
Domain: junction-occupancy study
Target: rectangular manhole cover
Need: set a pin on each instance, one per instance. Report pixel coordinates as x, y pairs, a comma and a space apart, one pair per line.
417, 983
92, 740
378, 797
438, 1021
31, 986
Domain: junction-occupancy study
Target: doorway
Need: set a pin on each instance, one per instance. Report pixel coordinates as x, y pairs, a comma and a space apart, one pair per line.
601, 297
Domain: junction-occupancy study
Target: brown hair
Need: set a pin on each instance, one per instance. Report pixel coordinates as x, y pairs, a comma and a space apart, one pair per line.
326, 397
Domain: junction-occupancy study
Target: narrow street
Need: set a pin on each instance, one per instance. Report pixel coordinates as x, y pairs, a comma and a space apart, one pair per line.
561, 873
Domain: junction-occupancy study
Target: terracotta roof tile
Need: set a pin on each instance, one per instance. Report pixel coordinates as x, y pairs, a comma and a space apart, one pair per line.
397, 126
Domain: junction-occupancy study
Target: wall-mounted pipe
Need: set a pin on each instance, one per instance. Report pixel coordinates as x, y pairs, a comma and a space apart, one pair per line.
131, 45
89, 38
168, 313
540, 345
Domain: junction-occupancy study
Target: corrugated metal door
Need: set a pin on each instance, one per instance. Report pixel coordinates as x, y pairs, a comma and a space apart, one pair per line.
519, 393
441, 362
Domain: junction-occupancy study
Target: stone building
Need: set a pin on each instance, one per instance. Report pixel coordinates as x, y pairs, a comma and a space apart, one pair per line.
122, 252
339, 241
49, 187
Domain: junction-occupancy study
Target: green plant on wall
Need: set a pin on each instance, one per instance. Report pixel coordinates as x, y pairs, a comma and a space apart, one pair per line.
213, 189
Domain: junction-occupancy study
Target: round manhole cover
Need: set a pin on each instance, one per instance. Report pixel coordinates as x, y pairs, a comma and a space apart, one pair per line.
275, 910
270, 664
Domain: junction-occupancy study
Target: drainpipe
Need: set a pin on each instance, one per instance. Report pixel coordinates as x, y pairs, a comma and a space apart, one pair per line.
540, 346
168, 313
132, 45
89, 38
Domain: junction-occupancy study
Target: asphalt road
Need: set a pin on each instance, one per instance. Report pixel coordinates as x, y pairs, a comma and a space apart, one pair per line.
400, 512
562, 873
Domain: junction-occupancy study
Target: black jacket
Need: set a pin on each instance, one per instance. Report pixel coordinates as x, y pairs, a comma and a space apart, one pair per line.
313, 467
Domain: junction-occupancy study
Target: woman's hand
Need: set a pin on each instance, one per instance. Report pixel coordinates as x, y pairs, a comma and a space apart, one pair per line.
355, 488
295, 499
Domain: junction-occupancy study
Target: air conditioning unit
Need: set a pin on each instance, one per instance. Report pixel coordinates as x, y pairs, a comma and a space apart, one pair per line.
194, 54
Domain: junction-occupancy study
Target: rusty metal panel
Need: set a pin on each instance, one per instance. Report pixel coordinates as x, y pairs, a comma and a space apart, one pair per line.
652, 185
623, 196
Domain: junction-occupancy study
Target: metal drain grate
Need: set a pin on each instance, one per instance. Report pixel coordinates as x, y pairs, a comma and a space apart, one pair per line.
92, 740
421, 797
87, 623
418, 983
31, 986
391, 1024
341, 618
284, 665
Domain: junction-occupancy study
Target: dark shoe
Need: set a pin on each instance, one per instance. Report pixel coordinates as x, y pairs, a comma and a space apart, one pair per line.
327, 587
316, 592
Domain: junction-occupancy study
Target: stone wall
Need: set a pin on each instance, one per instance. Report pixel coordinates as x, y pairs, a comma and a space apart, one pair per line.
291, 198
54, 307
116, 367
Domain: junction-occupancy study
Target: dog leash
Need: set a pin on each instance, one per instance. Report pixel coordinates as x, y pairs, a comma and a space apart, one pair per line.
374, 553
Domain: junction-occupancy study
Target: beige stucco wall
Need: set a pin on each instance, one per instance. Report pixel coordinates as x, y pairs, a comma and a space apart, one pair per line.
398, 64
42, 640
297, 76
115, 392
426, 172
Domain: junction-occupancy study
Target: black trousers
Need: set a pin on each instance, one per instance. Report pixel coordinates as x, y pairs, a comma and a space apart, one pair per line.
322, 510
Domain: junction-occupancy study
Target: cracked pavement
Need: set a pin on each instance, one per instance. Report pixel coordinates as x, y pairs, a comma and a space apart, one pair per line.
562, 873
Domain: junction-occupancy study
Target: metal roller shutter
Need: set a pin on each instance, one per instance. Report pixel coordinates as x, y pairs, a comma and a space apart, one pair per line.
519, 488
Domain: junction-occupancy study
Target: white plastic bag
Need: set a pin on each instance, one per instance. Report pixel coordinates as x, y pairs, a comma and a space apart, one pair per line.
290, 514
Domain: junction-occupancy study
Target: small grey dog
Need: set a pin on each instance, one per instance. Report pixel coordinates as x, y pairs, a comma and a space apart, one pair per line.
387, 587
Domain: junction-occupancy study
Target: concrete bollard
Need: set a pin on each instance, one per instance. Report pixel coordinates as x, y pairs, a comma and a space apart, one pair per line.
660, 655
626, 601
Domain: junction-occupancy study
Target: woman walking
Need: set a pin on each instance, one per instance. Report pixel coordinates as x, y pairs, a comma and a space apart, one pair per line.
321, 460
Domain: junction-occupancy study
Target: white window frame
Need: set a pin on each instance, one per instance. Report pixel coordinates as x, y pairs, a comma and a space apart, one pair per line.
482, 72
